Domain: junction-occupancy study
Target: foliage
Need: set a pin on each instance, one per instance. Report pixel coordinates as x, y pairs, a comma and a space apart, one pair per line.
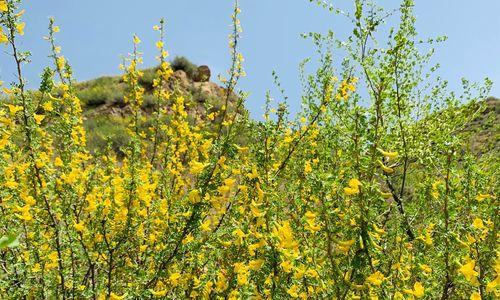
182, 63
367, 193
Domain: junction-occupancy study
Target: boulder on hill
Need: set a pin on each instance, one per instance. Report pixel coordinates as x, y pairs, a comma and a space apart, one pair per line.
202, 74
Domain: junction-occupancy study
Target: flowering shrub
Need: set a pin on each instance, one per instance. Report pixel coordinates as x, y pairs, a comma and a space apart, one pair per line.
368, 193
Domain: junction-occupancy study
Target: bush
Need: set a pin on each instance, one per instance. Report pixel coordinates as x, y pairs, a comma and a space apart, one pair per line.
364, 194
94, 96
182, 63
99, 91
104, 131
146, 80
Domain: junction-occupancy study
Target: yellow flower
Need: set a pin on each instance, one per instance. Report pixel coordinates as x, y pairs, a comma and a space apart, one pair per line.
293, 291
11, 184
287, 266
468, 271
21, 13
254, 208
284, 233
58, 162
385, 168
56, 29
114, 296
426, 268
61, 62
161, 293
25, 213
197, 167
80, 226
159, 44
136, 40
3, 38
478, 223
174, 278
482, 197
242, 271
255, 264
194, 196
240, 235
307, 168
344, 246
205, 226
36, 268
390, 155
13, 109
221, 284
418, 290
311, 222
376, 278
47, 106
3, 6
20, 28
38, 118
475, 296
353, 187
188, 239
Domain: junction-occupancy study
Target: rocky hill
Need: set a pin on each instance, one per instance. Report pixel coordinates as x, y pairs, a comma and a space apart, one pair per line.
484, 130
106, 114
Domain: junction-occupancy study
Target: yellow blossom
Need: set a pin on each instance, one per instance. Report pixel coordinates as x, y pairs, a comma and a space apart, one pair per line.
3, 6
293, 291
468, 271
80, 226
13, 109
20, 28
38, 118
287, 266
161, 293
3, 37
385, 168
353, 187
47, 106
307, 168
390, 155
417, 291
482, 197
221, 284
174, 278
197, 167
376, 278
478, 223
136, 40
344, 246
475, 296
114, 296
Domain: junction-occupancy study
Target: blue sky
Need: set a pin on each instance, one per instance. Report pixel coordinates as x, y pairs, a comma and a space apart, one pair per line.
94, 33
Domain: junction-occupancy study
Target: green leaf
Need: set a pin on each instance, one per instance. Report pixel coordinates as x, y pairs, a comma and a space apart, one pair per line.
9, 241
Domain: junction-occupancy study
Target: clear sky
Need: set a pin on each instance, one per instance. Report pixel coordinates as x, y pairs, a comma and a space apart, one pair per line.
94, 33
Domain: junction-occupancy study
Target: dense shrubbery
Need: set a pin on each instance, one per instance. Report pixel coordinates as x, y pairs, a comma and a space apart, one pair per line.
182, 63
366, 194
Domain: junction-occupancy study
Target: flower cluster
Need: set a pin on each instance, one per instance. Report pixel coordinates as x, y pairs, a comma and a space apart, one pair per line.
316, 207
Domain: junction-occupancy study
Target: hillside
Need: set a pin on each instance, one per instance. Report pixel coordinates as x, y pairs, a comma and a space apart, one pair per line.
484, 130
106, 114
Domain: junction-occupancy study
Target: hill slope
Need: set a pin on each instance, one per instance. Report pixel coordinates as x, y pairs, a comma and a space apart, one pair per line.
106, 114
